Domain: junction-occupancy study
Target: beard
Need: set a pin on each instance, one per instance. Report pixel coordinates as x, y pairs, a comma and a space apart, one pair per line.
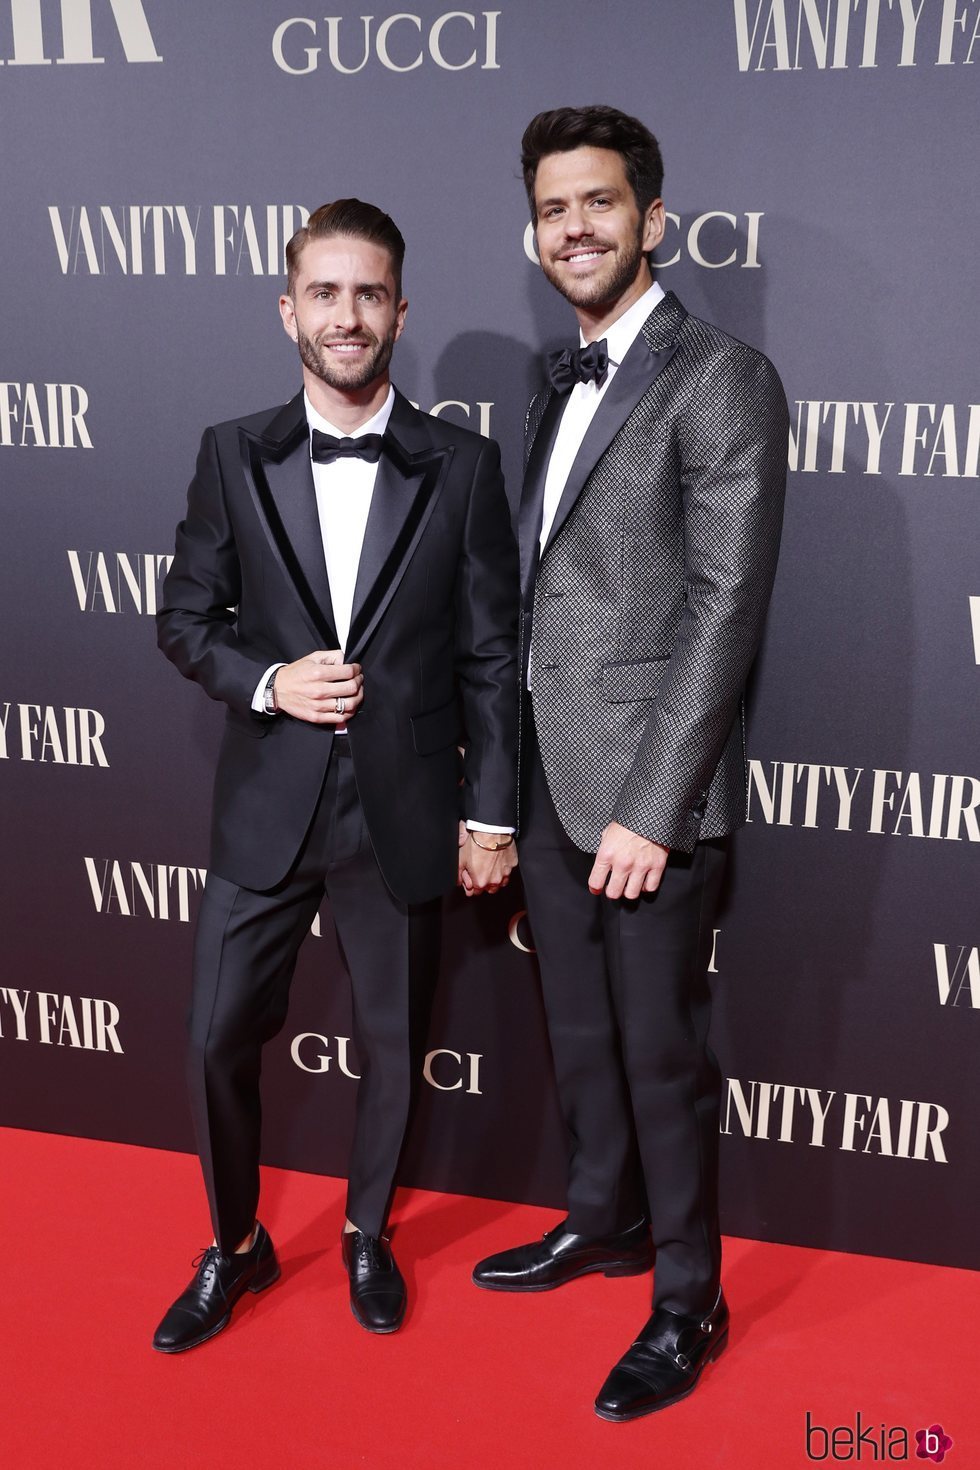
602, 289
347, 376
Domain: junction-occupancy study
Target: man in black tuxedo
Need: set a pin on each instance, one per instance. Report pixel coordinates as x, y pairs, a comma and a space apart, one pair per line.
649, 530
344, 583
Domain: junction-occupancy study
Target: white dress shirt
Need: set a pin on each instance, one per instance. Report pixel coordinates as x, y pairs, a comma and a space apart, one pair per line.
584, 399
343, 499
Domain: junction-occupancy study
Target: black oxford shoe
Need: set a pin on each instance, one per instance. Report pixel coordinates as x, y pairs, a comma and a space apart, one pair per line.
561, 1256
377, 1288
664, 1364
205, 1307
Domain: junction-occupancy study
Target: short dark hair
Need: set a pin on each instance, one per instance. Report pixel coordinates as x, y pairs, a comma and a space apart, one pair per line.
356, 219
565, 128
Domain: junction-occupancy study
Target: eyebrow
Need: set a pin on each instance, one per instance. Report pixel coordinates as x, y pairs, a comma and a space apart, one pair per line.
377, 286
591, 193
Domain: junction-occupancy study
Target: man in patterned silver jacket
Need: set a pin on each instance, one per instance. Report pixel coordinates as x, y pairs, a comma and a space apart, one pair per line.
649, 524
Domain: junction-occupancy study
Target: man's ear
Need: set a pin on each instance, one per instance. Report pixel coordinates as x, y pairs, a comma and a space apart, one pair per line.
654, 224
288, 313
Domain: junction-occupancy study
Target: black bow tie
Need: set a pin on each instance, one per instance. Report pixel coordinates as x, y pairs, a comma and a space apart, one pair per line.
325, 448
579, 365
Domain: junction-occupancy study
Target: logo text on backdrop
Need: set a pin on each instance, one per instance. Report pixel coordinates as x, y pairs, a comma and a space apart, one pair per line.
455, 41
800, 35
41, 34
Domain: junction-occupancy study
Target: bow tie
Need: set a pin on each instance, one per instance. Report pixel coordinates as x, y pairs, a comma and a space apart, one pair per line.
325, 448
579, 365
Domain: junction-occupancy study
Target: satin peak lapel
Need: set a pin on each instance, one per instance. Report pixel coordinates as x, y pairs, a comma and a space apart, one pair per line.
411, 473
640, 368
279, 476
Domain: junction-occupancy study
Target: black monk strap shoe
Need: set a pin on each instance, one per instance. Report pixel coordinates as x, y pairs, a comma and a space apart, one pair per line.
377, 1288
561, 1256
664, 1364
205, 1307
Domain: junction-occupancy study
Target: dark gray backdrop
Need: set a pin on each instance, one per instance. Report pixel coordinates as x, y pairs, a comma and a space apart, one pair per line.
821, 177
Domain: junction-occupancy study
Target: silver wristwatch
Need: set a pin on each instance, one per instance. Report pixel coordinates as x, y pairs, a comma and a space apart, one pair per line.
270, 704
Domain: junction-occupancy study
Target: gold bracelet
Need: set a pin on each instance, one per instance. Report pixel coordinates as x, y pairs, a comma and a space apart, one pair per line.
496, 846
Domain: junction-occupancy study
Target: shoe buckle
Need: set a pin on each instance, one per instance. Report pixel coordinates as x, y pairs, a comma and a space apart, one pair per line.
684, 1363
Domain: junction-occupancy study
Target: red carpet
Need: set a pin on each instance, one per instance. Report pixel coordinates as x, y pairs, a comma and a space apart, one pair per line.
99, 1237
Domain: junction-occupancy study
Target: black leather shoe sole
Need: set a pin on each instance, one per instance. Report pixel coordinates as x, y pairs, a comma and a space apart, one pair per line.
259, 1282
371, 1327
612, 1268
666, 1403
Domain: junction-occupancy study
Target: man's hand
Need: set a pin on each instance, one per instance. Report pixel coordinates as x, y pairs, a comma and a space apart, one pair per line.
627, 864
482, 870
310, 688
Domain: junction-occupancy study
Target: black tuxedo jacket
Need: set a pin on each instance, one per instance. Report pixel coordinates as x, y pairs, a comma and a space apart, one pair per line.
650, 596
433, 627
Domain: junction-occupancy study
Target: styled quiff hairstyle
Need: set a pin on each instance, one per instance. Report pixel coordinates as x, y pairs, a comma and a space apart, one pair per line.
595, 127
359, 221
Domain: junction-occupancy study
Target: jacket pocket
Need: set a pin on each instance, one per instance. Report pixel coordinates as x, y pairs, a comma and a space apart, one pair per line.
622, 682
435, 729
251, 725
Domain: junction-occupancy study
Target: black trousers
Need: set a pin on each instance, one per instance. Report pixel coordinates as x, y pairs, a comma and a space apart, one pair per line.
245, 955
628, 1004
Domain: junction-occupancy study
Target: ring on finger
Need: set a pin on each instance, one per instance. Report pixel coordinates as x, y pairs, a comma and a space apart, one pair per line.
340, 704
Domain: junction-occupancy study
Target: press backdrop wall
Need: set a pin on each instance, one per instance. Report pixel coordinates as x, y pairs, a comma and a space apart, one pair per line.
821, 183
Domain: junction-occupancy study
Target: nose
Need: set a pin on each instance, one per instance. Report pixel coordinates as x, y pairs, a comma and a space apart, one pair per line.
577, 223
345, 315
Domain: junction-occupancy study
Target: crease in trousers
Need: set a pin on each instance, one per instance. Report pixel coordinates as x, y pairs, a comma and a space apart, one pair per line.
244, 959
628, 1003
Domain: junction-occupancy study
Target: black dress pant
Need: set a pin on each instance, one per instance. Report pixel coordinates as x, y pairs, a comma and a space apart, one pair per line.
628, 1004
245, 955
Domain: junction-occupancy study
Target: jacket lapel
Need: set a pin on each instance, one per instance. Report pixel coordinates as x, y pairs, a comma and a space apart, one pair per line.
279, 476
650, 353
411, 473
532, 496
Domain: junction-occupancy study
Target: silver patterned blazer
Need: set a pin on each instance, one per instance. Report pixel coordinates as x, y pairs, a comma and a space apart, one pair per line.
648, 602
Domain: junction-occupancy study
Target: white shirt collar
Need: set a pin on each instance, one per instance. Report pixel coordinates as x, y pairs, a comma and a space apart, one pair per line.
375, 425
625, 329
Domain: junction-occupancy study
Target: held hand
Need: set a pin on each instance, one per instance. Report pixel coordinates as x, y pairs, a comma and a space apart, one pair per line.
481, 870
310, 688
627, 864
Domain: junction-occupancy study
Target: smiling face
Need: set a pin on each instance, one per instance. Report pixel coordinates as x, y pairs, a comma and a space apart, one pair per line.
592, 239
345, 316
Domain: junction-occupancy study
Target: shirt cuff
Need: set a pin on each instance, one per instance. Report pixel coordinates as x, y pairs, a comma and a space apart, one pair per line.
258, 698
487, 827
